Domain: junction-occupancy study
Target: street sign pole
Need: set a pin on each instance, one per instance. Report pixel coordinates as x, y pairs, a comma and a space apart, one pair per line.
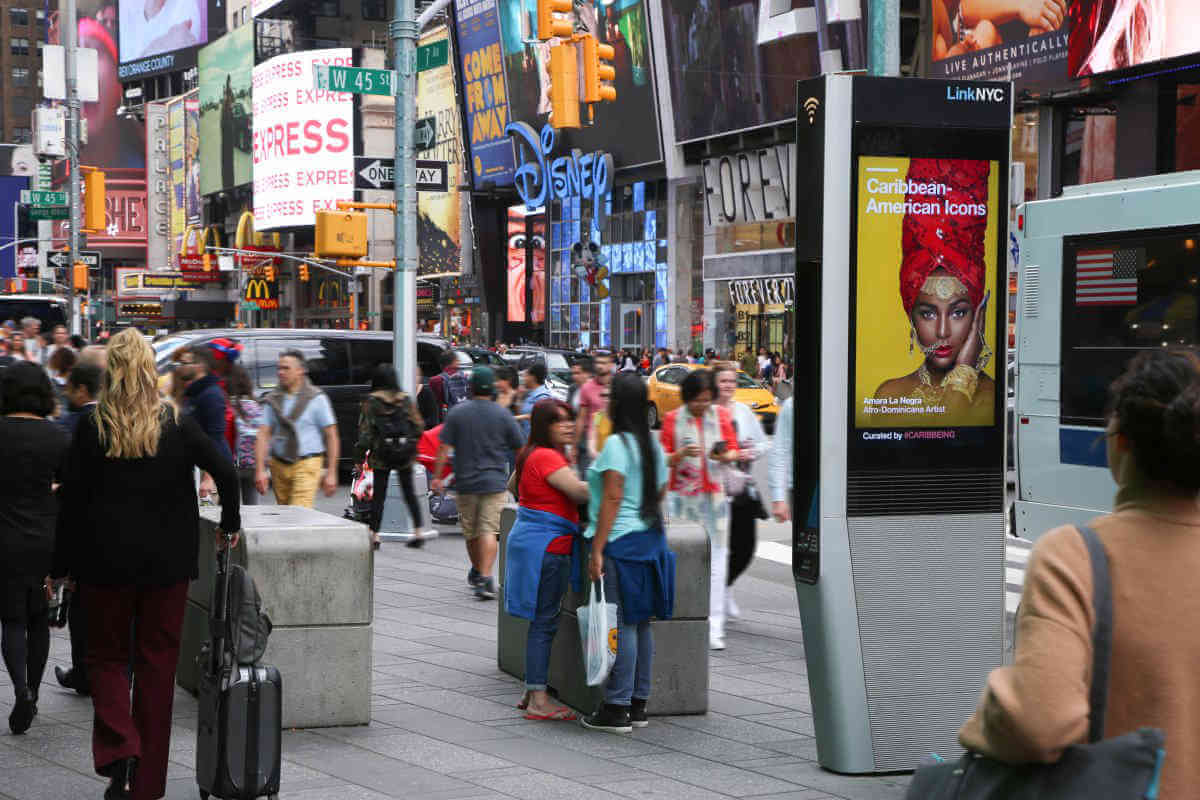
70, 28
404, 279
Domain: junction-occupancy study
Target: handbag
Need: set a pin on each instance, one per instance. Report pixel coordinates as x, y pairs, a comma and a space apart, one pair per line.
1127, 766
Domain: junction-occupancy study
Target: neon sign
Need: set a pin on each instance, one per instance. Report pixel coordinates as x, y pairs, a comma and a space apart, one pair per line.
578, 174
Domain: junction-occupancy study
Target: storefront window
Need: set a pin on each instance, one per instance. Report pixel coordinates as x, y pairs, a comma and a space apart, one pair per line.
632, 243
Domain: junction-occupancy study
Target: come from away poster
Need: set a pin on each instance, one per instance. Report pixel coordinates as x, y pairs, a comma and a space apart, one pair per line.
485, 92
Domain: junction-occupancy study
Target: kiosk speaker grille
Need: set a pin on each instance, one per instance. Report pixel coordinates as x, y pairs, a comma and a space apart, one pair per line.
873, 494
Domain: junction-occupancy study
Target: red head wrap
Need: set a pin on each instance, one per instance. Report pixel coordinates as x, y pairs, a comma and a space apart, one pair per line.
953, 242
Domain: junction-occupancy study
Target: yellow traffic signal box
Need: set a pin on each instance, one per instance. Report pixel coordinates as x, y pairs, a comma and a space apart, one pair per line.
80, 275
549, 24
597, 68
564, 86
341, 234
93, 200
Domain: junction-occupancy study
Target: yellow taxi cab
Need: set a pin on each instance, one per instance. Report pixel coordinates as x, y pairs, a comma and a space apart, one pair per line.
662, 387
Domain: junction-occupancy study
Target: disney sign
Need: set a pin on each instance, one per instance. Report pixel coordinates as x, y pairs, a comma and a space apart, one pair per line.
588, 175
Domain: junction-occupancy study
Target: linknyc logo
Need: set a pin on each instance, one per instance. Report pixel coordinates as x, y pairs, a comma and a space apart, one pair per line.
975, 94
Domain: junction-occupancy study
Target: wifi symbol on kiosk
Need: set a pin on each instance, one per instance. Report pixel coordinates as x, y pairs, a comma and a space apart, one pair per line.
811, 105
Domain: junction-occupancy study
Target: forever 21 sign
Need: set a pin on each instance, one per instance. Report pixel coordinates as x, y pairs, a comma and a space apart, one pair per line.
763, 291
753, 186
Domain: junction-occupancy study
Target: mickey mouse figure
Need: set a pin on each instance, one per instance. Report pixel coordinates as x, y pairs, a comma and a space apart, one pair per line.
588, 264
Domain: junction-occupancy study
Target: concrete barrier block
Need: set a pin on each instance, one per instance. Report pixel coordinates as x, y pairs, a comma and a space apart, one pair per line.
315, 573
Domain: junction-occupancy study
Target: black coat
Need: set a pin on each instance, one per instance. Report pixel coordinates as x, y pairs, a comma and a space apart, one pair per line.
137, 520
31, 454
204, 400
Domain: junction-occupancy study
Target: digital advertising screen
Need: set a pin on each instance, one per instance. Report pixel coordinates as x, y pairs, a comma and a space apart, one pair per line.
226, 67
485, 92
626, 128
438, 230
1025, 42
1107, 35
925, 347
162, 35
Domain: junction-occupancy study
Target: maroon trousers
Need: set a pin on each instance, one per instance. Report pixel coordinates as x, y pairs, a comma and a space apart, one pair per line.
142, 728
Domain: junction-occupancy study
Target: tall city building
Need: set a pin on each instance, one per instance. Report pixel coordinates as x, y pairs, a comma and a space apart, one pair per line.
22, 30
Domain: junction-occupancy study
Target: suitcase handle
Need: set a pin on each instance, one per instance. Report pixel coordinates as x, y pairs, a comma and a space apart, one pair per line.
220, 605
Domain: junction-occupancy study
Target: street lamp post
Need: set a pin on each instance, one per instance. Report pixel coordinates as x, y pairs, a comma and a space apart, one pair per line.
404, 279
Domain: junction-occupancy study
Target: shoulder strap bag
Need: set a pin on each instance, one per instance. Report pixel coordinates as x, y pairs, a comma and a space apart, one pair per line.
1127, 766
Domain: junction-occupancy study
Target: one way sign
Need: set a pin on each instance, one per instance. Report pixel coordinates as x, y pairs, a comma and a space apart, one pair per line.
380, 173
60, 258
374, 173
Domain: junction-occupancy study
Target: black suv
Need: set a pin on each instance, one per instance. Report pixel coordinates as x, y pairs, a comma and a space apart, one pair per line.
340, 362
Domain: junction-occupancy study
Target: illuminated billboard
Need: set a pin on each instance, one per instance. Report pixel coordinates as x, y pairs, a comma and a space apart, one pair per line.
1023, 42
162, 35
1107, 36
438, 230
303, 144
226, 67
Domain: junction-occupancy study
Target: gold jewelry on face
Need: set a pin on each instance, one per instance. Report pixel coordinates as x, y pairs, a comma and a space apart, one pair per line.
943, 287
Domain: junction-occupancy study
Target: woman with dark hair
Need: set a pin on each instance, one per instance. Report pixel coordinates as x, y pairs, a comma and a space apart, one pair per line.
699, 440
378, 413
538, 548
31, 450
59, 367
247, 419
628, 551
1034, 709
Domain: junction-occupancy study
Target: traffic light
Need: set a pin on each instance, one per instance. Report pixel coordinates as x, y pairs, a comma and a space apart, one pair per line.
564, 86
80, 281
549, 25
597, 67
341, 234
206, 262
93, 200
304, 272
269, 272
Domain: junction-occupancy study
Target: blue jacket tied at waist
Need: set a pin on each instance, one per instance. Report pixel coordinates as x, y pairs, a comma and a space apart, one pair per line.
645, 572
523, 553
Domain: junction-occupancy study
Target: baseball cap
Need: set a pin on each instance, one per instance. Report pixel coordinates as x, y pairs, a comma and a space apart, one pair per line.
483, 380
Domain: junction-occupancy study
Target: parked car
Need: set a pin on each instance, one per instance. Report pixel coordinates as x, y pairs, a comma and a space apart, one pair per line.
340, 362
558, 367
481, 356
662, 389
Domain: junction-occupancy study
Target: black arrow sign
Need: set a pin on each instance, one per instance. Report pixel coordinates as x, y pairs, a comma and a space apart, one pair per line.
374, 173
425, 133
61, 259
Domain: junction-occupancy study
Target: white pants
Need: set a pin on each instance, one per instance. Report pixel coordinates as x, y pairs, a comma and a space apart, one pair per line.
712, 512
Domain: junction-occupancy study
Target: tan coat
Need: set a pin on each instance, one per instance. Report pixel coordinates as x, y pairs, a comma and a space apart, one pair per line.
1032, 710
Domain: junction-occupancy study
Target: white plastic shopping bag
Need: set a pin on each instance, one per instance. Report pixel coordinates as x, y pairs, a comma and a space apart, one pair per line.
598, 631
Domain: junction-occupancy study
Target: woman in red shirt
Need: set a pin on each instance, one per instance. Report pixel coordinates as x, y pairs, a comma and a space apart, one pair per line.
538, 548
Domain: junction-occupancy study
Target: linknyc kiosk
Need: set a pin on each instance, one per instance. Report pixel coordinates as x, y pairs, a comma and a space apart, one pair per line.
898, 505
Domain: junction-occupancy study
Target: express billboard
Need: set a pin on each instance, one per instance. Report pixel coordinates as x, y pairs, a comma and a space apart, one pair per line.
162, 35
226, 68
438, 233
303, 144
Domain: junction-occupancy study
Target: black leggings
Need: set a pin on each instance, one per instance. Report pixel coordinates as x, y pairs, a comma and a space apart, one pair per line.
379, 496
743, 537
26, 648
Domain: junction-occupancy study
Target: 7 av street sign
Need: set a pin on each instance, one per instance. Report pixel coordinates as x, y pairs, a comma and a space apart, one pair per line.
356, 80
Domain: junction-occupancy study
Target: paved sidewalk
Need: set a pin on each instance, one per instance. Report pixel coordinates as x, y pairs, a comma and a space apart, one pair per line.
445, 726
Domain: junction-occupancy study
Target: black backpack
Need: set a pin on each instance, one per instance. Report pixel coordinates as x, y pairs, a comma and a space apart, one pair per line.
246, 627
396, 436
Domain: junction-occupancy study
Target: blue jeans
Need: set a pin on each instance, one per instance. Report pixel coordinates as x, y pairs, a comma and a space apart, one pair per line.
552, 586
633, 670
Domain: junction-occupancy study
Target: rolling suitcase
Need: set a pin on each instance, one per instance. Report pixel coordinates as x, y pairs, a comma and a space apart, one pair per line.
239, 730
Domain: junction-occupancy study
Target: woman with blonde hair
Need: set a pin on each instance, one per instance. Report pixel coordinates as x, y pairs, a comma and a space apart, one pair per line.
128, 534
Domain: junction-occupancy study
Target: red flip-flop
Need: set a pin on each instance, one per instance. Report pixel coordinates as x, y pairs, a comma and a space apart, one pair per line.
559, 714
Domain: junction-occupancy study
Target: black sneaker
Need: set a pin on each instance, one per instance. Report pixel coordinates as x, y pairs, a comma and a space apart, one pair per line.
473, 577
610, 719
486, 588
69, 679
637, 713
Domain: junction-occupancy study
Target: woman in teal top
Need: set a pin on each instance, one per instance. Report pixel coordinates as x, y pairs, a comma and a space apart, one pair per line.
629, 551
